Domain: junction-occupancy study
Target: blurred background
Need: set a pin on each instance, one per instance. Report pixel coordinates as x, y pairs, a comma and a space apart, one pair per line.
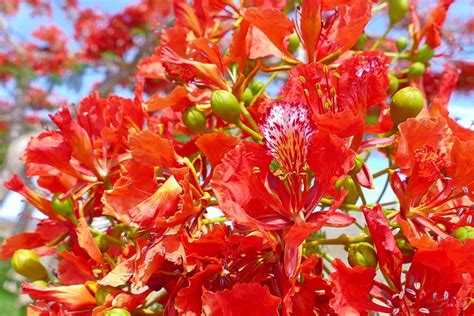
55, 52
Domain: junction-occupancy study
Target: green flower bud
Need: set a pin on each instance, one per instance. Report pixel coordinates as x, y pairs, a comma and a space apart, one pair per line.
464, 233
406, 103
101, 242
348, 184
194, 119
361, 41
425, 53
63, 207
247, 96
405, 247
117, 312
362, 254
101, 294
225, 105
27, 263
358, 163
402, 43
416, 69
293, 43
41, 283
393, 86
397, 10
256, 86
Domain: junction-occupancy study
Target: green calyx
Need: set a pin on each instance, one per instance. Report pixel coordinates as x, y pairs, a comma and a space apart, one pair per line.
27, 263
406, 103
194, 119
225, 105
362, 254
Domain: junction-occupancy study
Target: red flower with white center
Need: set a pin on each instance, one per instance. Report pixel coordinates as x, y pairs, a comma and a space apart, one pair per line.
255, 193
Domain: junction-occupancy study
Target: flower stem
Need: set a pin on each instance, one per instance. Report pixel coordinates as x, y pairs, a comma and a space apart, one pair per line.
341, 240
208, 221
250, 131
381, 38
344, 206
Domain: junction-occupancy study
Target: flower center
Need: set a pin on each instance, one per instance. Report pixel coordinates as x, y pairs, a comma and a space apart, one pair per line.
288, 131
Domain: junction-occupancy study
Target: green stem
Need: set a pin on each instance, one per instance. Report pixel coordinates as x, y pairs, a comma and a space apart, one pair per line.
351, 207
250, 131
208, 221
248, 116
259, 93
341, 240
380, 39
381, 172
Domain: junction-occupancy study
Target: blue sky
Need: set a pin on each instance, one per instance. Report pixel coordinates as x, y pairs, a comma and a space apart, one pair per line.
23, 24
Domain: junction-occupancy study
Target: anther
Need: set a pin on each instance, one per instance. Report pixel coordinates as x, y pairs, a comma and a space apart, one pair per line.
424, 310
302, 79
445, 295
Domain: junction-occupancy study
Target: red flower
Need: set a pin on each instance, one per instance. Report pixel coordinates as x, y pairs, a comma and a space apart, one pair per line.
279, 197
433, 286
335, 35
342, 94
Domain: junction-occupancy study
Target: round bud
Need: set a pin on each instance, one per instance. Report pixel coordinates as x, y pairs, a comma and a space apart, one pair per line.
27, 263
225, 105
406, 103
256, 86
247, 96
362, 254
464, 233
348, 184
101, 241
425, 53
41, 283
194, 119
64, 206
117, 312
402, 43
405, 247
361, 41
293, 43
393, 86
397, 10
358, 163
101, 294
416, 69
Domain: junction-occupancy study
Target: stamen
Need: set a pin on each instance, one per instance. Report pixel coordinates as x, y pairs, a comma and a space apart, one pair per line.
445, 295
424, 310
288, 131
302, 79
417, 285
410, 291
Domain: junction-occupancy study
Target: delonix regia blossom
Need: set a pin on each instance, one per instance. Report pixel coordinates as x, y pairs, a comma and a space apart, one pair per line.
131, 187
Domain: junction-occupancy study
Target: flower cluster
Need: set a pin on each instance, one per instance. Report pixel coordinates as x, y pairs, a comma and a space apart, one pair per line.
207, 196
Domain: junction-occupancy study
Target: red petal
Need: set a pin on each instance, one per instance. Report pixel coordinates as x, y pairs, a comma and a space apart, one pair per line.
244, 299
86, 241
152, 150
73, 269
73, 297
19, 241
351, 290
388, 253
214, 146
